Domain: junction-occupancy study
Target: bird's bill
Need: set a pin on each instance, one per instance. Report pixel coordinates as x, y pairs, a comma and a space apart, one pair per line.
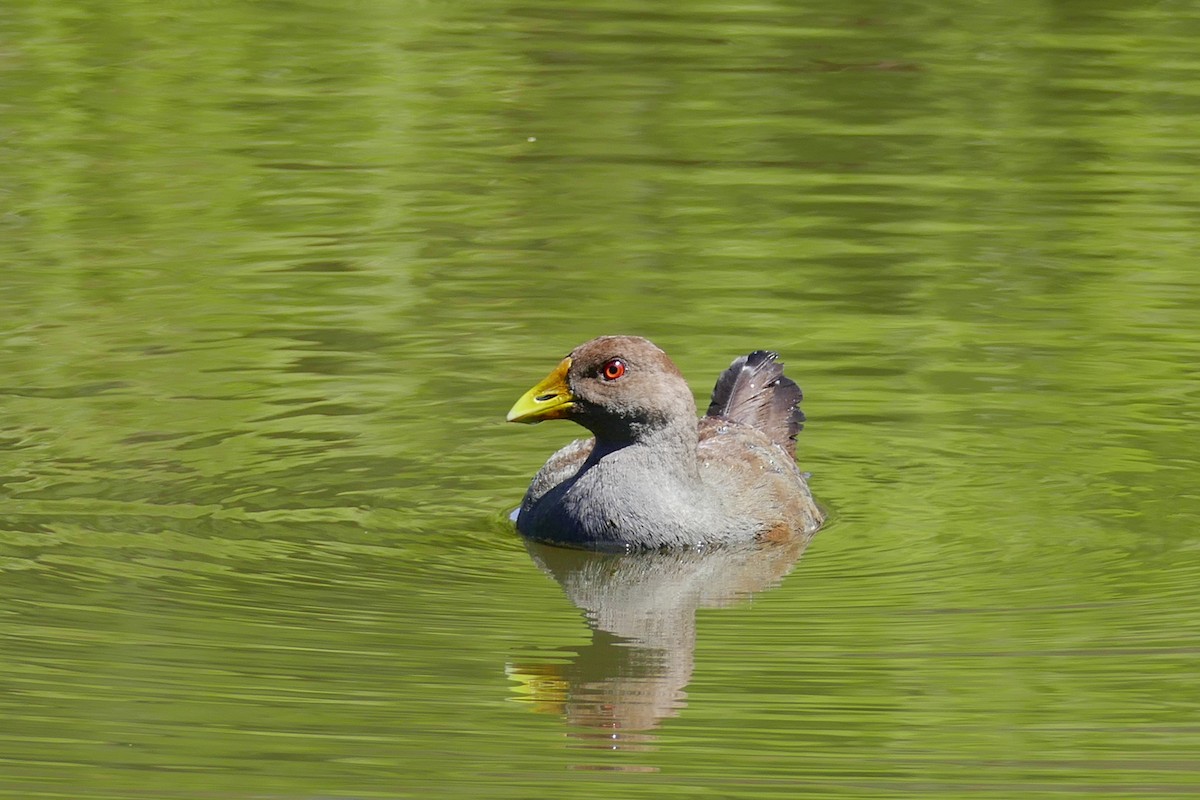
550, 399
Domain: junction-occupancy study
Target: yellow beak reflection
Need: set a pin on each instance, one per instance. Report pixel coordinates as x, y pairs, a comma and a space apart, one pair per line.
550, 399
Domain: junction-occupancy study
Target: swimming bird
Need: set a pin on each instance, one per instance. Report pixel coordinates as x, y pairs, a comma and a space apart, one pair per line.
653, 475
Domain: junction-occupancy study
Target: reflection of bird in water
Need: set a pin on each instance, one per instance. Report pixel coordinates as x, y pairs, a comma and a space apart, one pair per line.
641, 608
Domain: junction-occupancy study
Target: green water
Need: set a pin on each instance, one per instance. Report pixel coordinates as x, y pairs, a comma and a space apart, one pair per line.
271, 275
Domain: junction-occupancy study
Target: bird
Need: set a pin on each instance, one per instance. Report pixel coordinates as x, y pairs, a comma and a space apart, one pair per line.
655, 476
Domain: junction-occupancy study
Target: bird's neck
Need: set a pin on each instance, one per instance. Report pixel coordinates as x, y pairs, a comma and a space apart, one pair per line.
670, 448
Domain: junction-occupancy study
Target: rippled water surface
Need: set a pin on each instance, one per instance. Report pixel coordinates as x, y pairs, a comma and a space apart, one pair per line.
271, 275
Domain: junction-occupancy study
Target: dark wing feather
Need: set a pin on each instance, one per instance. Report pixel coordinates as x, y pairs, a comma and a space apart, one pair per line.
754, 391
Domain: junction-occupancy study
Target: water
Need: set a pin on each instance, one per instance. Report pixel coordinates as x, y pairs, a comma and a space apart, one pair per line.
270, 277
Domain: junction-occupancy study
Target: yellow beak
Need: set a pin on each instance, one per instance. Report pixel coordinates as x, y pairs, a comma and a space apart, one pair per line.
550, 399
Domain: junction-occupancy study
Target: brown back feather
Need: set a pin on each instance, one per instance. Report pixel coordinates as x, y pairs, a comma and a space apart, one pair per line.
754, 391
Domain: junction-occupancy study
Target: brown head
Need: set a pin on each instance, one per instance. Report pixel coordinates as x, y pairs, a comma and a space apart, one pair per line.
621, 388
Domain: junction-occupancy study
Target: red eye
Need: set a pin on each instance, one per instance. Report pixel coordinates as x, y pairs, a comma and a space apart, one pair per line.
612, 369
